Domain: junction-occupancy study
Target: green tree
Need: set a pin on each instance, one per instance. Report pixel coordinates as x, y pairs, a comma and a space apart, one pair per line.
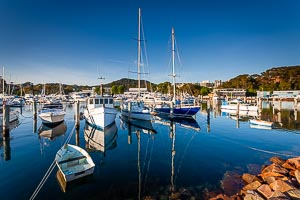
114, 89
204, 91
121, 89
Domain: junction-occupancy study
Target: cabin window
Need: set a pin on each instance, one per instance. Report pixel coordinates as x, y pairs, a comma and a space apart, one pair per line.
106, 101
101, 101
96, 101
111, 101
91, 101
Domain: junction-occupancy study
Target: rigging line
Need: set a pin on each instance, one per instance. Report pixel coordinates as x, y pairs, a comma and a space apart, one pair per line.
144, 41
183, 155
177, 53
145, 52
146, 153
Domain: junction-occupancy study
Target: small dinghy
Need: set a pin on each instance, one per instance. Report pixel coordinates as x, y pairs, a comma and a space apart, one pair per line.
74, 162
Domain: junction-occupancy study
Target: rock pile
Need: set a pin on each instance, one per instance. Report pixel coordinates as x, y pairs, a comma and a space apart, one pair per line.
279, 180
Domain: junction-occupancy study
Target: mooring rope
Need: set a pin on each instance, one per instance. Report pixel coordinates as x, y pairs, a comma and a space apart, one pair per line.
256, 149
50, 169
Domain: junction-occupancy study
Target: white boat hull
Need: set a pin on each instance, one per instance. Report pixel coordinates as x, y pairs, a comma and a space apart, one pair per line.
74, 176
52, 117
100, 117
74, 162
241, 107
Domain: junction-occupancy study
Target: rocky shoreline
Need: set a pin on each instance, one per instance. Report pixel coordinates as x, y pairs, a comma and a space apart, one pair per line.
279, 180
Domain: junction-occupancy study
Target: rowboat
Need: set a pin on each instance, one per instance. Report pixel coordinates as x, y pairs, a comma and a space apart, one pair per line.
74, 162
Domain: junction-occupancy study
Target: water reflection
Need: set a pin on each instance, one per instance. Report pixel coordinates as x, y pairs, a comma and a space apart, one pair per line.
51, 132
137, 127
132, 125
283, 114
5, 142
188, 123
48, 133
100, 139
256, 126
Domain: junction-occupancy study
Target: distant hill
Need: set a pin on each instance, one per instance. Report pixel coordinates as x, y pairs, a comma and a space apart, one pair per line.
131, 83
277, 78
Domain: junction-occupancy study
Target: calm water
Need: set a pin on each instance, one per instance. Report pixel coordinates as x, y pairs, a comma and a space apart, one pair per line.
135, 162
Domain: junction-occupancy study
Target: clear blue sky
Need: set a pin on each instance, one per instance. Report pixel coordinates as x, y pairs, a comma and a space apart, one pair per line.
75, 42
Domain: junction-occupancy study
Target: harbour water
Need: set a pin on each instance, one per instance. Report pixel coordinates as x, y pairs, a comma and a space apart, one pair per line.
139, 160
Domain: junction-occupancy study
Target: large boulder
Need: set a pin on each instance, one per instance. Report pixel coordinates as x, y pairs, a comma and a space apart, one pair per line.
277, 160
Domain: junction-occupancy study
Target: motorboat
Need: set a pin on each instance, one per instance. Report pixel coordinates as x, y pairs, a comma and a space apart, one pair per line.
74, 162
13, 115
52, 113
16, 102
244, 113
134, 109
100, 111
238, 104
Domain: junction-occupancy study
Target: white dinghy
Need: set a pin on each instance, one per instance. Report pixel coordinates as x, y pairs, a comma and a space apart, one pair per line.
74, 162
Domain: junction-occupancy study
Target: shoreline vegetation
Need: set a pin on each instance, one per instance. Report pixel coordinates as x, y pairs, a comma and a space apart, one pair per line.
278, 78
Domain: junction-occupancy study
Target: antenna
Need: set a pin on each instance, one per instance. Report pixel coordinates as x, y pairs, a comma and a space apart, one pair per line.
101, 87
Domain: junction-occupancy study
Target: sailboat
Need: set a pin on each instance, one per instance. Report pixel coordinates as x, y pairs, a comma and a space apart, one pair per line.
136, 109
174, 110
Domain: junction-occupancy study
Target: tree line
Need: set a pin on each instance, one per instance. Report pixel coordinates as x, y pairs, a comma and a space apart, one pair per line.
278, 78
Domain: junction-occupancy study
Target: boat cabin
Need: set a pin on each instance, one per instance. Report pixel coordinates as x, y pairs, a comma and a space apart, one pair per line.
100, 101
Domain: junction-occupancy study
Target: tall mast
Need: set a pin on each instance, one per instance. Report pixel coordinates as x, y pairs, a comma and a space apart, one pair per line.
139, 52
3, 84
173, 65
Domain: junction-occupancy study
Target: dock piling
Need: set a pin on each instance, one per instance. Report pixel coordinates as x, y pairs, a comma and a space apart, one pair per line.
208, 118
5, 123
77, 137
34, 110
77, 116
7, 150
